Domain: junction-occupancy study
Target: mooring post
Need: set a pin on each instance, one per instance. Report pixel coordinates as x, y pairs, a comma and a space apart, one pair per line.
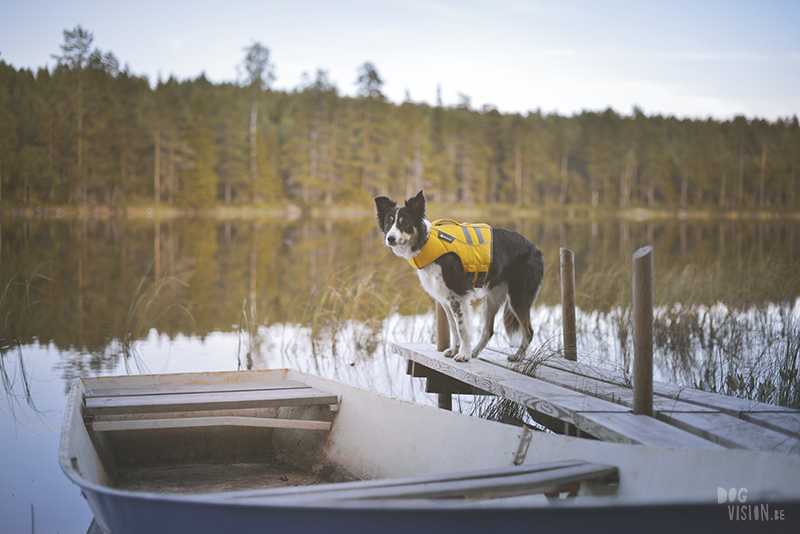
643, 331
568, 304
442, 343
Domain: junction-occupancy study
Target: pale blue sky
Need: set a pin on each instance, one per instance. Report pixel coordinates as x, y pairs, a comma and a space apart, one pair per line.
683, 58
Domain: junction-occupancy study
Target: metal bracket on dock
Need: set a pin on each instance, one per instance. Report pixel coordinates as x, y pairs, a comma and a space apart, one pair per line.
524, 443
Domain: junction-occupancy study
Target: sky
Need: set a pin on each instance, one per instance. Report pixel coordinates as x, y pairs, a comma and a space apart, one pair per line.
689, 59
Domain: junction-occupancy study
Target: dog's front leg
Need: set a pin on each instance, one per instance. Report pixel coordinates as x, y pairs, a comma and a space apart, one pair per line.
459, 320
455, 345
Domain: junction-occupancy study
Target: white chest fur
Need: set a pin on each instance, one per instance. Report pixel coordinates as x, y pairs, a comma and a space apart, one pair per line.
433, 283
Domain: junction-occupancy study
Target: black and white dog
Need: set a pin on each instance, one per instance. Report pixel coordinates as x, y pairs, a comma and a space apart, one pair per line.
514, 276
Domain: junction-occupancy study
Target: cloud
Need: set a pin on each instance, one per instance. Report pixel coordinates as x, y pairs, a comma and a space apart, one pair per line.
175, 44
559, 53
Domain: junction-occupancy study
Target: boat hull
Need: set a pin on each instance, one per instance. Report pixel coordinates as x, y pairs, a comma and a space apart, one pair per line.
379, 437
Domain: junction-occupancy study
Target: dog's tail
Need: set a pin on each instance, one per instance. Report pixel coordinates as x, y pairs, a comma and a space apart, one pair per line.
511, 323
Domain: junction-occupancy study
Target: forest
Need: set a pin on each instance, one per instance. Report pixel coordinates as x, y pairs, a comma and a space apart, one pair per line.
89, 133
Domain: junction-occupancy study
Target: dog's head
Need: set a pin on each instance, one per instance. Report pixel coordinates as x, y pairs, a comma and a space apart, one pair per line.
404, 229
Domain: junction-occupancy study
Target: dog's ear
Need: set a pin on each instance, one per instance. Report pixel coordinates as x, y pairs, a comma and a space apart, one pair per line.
417, 204
383, 205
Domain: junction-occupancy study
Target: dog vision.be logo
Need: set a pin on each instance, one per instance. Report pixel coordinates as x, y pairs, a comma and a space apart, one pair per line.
739, 511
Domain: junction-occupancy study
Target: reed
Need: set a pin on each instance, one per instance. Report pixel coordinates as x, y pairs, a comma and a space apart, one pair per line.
714, 328
18, 300
146, 309
356, 303
246, 332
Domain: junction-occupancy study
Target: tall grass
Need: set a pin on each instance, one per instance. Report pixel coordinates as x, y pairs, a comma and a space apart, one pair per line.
713, 329
146, 309
18, 299
355, 303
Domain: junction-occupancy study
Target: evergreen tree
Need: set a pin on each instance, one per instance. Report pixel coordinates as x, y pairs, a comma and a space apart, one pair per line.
260, 74
198, 186
76, 52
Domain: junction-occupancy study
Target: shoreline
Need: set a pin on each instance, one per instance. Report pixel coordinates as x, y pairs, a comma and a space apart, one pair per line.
293, 212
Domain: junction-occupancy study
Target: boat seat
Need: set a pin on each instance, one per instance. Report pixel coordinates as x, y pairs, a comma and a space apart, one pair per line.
550, 479
195, 405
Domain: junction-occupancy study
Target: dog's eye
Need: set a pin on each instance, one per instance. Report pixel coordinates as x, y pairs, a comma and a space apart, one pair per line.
391, 219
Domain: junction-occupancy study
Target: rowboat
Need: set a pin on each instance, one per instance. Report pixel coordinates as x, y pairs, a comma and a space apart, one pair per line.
285, 451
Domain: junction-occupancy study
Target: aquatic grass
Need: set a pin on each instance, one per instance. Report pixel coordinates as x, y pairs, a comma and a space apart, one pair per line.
17, 303
713, 328
247, 332
353, 302
142, 305
507, 411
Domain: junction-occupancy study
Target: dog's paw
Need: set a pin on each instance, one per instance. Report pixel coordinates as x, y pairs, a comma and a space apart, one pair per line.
449, 353
476, 353
462, 357
517, 356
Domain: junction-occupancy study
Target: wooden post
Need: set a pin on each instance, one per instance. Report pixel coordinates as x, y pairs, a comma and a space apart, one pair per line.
643, 331
442, 343
568, 304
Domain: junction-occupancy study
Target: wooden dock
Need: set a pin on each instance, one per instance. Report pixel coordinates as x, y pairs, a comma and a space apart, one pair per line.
578, 399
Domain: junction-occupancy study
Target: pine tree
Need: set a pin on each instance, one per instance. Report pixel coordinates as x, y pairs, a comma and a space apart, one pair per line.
260, 74
199, 182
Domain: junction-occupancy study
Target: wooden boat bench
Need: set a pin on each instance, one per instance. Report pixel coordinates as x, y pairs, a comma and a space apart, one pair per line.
196, 405
550, 479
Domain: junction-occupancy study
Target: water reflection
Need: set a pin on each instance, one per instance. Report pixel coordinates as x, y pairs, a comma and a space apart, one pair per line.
104, 284
103, 297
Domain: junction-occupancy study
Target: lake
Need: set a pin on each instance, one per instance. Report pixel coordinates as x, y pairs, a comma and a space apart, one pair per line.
86, 297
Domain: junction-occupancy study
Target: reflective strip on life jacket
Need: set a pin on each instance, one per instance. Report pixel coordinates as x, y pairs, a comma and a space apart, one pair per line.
471, 242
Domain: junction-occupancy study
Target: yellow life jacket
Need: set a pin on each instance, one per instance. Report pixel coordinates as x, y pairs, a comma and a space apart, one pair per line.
471, 242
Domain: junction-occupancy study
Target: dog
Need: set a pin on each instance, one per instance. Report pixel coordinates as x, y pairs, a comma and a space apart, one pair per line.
512, 275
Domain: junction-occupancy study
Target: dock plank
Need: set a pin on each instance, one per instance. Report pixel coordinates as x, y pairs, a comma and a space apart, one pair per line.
699, 419
670, 397
725, 403
602, 419
179, 402
732, 432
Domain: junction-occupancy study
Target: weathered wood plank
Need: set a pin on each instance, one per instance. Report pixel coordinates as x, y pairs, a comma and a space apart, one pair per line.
713, 425
777, 418
588, 414
192, 388
482, 488
192, 422
207, 401
732, 432
611, 392
639, 430
518, 480
785, 423
568, 399
724, 403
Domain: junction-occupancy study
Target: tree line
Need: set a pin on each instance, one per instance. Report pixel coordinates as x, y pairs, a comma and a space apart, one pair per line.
88, 132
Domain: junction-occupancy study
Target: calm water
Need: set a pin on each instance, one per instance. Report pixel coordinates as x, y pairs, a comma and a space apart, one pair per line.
88, 298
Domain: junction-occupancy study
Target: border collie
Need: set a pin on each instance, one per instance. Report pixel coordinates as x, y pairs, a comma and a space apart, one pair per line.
514, 277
